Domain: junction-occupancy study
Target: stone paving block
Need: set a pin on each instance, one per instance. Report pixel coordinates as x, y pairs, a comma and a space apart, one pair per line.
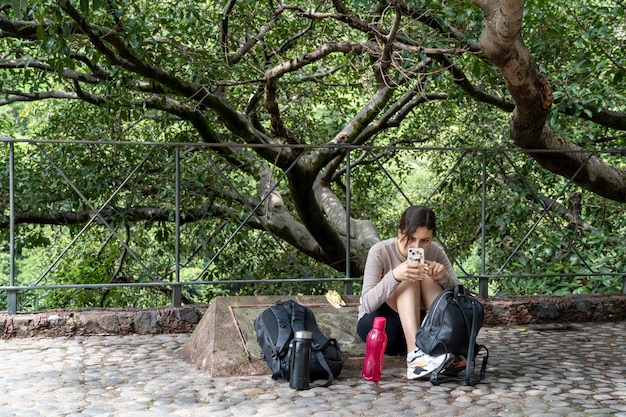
543, 370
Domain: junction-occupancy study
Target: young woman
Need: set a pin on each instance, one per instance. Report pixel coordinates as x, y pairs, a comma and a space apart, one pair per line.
399, 290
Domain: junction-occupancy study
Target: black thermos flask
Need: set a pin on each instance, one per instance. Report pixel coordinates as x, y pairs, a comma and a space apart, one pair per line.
300, 361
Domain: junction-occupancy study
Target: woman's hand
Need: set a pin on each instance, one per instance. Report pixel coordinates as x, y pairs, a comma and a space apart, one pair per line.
436, 271
415, 272
411, 271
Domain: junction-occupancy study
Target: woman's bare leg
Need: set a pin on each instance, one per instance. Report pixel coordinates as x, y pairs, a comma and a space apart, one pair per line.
430, 290
406, 300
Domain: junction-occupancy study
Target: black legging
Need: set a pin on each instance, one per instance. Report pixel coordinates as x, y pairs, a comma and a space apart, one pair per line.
396, 344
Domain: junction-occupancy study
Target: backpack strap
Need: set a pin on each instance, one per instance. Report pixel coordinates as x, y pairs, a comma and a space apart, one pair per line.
298, 314
322, 361
434, 376
459, 290
284, 329
472, 352
319, 341
292, 317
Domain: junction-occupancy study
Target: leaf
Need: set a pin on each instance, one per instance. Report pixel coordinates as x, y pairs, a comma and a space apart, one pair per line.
18, 7
84, 6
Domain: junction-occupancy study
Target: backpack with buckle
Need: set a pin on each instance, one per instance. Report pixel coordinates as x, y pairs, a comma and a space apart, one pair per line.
451, 326
275, 328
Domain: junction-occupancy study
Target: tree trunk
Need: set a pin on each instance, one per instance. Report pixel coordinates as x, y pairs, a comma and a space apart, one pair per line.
502, 44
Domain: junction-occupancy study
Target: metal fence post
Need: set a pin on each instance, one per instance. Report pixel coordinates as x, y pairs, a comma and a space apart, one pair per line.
483, 282
177, 294
12, 294
177, 289
347, 286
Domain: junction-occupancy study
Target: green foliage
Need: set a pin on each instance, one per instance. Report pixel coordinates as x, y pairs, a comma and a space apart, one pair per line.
197, 73
535, 250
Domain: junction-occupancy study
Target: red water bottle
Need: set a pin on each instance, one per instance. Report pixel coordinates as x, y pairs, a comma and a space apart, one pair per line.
375, 346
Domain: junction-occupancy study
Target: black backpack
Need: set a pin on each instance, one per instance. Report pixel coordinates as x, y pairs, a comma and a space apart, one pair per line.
451, 326
275, 328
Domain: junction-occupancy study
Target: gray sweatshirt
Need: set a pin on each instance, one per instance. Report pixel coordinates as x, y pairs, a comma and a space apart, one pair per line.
378, 280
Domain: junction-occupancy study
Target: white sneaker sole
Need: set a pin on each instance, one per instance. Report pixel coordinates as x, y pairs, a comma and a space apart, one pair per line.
423, 372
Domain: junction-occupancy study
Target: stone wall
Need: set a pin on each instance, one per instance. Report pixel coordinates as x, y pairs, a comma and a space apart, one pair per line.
81, 322
547, 309
498, 311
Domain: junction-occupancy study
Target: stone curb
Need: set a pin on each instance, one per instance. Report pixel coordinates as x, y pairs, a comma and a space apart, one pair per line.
82, 322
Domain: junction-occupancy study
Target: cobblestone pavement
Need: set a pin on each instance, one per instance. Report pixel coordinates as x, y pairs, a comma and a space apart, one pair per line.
575, 371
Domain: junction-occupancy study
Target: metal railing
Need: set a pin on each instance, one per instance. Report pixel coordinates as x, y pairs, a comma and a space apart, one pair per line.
176, 285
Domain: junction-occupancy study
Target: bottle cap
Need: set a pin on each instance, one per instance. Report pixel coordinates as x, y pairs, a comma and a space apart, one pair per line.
303, 334
379, 323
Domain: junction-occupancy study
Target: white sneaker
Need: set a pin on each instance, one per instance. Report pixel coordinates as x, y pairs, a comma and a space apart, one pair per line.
455, 366
419, 365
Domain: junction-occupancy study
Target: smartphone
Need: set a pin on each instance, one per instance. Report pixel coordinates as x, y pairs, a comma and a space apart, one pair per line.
416, 255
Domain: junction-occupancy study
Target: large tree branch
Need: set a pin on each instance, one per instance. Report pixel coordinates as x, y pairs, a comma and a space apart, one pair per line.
502, 44
133, 214
121, 55
20, 29
18, 96
274, 74
25, 63
460, 79
585, 169
280, 221
603, 117
363, 233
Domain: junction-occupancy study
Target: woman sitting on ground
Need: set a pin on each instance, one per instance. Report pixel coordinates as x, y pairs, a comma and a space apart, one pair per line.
399, 290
